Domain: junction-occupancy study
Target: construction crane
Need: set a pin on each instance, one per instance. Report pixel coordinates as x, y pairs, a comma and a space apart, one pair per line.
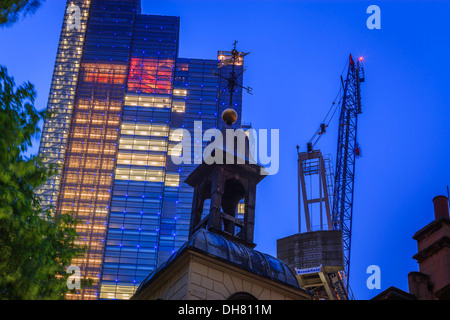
347, 151
340, 191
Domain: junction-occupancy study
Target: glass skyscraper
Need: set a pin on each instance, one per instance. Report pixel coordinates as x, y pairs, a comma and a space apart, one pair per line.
118, 94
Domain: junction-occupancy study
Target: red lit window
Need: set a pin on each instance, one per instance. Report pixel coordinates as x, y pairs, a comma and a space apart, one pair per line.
151, 75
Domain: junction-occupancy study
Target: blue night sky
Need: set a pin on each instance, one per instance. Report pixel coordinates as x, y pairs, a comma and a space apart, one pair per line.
299, 49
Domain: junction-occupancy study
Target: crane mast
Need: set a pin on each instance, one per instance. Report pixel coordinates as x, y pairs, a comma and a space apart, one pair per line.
347, 151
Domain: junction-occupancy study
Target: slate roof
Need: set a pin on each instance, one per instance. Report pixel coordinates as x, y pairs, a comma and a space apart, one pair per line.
233, 253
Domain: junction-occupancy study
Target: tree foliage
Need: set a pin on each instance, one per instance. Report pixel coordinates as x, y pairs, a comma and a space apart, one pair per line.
35, 249
11, 10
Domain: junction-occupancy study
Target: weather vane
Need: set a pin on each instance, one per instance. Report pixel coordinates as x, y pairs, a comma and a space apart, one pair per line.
233, 77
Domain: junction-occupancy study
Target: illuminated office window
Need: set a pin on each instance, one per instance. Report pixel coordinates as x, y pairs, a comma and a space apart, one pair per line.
151, 75
172, 180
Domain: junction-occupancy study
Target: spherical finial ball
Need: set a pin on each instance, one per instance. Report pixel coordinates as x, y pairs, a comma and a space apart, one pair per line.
229, 116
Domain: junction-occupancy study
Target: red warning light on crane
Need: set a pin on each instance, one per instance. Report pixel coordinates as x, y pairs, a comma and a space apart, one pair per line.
361, 59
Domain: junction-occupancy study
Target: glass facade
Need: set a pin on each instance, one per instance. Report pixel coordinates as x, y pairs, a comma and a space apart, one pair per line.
131, 93
62, 95
89, 166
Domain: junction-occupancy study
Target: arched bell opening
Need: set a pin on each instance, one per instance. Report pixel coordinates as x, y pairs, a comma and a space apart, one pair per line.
233, 193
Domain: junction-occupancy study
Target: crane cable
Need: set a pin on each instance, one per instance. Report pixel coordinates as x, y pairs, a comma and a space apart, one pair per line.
334, 106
